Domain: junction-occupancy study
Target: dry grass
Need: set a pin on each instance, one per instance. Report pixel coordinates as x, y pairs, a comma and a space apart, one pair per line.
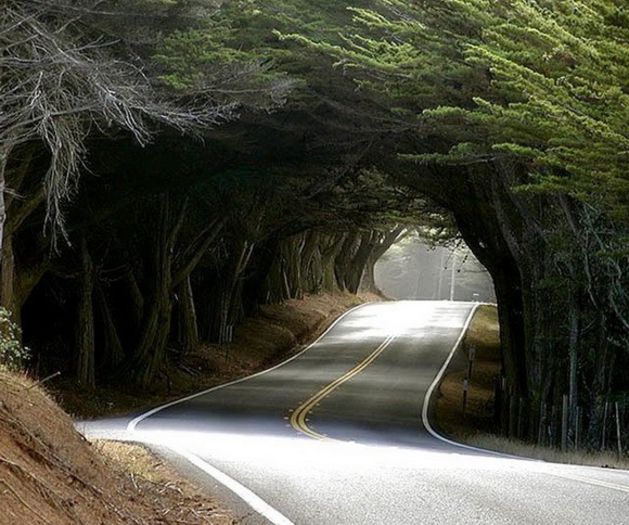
476, 426
484, 335
520, 448
132, 458
49, 474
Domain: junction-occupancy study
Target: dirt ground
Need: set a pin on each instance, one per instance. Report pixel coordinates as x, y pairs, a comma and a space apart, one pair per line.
49, 474
484, 335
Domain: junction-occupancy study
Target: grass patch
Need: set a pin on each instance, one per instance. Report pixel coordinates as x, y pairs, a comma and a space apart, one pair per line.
483, 334
520, 448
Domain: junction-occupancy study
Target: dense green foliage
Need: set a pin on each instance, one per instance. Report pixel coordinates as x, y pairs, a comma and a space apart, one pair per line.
538, 80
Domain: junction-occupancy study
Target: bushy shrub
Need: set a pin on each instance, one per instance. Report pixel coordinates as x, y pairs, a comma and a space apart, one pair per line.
13, 355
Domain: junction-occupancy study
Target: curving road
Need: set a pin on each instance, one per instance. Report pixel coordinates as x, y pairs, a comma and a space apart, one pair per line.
340, 434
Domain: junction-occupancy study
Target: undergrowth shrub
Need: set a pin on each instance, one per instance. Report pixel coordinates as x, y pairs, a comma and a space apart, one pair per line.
13, 356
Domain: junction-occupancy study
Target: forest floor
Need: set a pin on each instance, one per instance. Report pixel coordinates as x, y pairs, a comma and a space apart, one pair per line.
476, 426
274, 334
49, 474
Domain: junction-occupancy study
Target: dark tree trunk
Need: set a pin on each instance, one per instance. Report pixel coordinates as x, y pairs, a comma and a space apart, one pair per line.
188, 331
330, 247
543, 263
343, 260
136, 299
85, 342
150, 352
382, 242
226, 301
368, 283
112, 351
7, 284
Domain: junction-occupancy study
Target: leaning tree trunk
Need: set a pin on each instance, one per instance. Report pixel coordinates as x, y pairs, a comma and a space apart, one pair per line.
553, 275
356, 265
382, 241
368, 283
7, 277
226, 301
14, 210
344, 259
330, 247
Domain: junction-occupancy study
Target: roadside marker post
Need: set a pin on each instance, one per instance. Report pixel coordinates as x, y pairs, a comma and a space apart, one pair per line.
541, 421
577, 428
466, 386
520, 425
471, 357
513, 418
604, 431
618, 438
564, 423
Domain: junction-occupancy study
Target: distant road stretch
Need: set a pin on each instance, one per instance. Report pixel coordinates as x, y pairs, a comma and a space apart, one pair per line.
340, 435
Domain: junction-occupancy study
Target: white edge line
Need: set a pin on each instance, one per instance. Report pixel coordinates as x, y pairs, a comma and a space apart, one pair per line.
435, 383
248, 496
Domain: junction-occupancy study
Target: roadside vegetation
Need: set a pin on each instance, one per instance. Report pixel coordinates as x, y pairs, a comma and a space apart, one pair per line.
473, 420
49, 474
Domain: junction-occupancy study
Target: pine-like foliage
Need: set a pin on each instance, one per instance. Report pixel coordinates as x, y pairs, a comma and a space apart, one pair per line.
544, 81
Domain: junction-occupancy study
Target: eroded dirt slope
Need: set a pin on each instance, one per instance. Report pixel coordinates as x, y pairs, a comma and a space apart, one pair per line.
49, 474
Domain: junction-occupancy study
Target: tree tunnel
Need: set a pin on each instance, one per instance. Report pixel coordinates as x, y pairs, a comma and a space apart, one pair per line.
169, 184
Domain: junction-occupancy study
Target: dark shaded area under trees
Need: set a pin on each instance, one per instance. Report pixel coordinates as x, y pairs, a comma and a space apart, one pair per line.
166, 167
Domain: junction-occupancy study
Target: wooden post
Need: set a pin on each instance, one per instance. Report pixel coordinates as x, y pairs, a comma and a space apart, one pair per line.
577, 424
471, 357
503, 415
512, 416
618, 438
497, 401
466, 385
552, 430
564, 423
541, 423
604, 431
520, 417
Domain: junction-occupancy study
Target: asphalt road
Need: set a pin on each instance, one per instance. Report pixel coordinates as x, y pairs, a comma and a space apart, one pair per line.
340, 435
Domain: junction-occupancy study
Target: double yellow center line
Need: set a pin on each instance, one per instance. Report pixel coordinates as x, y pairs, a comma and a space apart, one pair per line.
299, 417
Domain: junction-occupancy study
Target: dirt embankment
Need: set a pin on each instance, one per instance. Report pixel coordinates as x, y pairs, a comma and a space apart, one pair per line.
50, 475
274, 334
484, 336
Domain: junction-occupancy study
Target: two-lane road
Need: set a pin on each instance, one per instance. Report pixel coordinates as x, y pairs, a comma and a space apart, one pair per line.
340, 434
